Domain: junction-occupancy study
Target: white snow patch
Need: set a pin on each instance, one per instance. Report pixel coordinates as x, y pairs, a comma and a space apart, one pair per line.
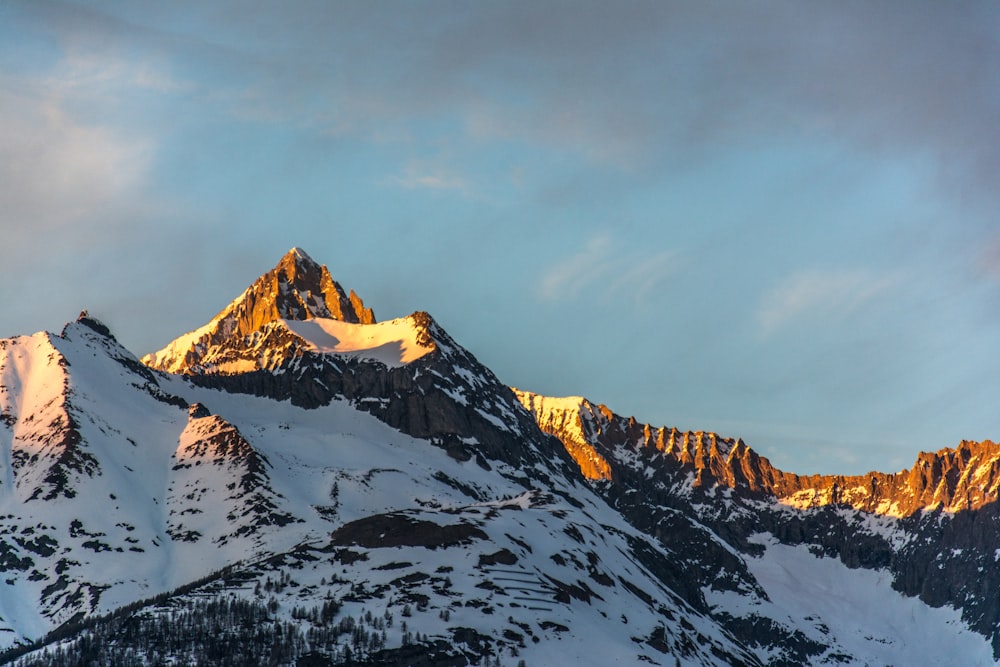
858, 609
393, 342
172, 356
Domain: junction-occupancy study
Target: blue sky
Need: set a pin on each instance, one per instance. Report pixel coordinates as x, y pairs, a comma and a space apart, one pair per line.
775, 220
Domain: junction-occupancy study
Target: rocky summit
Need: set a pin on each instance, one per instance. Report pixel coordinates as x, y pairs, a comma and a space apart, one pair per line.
295, 483
296, 289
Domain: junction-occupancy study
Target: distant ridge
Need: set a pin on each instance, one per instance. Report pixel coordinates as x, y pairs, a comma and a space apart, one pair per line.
952, 479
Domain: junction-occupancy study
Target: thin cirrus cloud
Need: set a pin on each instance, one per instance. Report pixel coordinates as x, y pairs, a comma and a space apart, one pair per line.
428, 176
827, 295
94, 75
603, 268
58, 170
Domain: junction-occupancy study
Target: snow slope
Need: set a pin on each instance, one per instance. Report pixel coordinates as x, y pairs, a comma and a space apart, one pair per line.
857, 611
163, 507
394, 342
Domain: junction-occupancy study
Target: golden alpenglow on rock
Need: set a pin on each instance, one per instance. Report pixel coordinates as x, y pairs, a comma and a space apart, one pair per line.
298, 288
602, 442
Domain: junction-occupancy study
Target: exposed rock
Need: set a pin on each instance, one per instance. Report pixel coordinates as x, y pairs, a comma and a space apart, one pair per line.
446, 396
553, 417
502, 557
94, 324
245, 507
963, 478
198, 410
296, 289
398, 529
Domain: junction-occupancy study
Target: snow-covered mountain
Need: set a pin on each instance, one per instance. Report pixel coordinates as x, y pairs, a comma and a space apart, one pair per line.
296, 483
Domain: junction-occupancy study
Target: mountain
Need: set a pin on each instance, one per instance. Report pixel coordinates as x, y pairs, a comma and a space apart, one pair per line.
295, 483
296, 289
933, 530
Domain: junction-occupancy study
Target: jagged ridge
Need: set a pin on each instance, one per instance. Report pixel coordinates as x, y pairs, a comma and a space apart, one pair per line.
963, 478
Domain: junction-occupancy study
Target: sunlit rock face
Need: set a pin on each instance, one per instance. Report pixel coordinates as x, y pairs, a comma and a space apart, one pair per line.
298, 288
600, 441
564, 418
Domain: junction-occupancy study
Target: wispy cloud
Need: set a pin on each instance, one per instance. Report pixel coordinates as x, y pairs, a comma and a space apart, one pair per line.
420, 174
988, 260
828, 295
93, 74
608, 271
566, 279
55, 169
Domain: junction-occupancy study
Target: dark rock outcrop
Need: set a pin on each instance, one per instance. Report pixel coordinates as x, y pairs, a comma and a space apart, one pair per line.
399, 529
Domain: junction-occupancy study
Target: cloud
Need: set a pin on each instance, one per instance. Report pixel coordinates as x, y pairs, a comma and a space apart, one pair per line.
420, 174
56, 171
89, 75
827, 296
988, 259
608, 271
643, 85
78, 145
567, 278
639, 275
75, 181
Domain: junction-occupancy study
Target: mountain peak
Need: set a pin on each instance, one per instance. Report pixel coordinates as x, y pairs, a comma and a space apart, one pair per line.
298, 288
297, 261
300, 254
93, 323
